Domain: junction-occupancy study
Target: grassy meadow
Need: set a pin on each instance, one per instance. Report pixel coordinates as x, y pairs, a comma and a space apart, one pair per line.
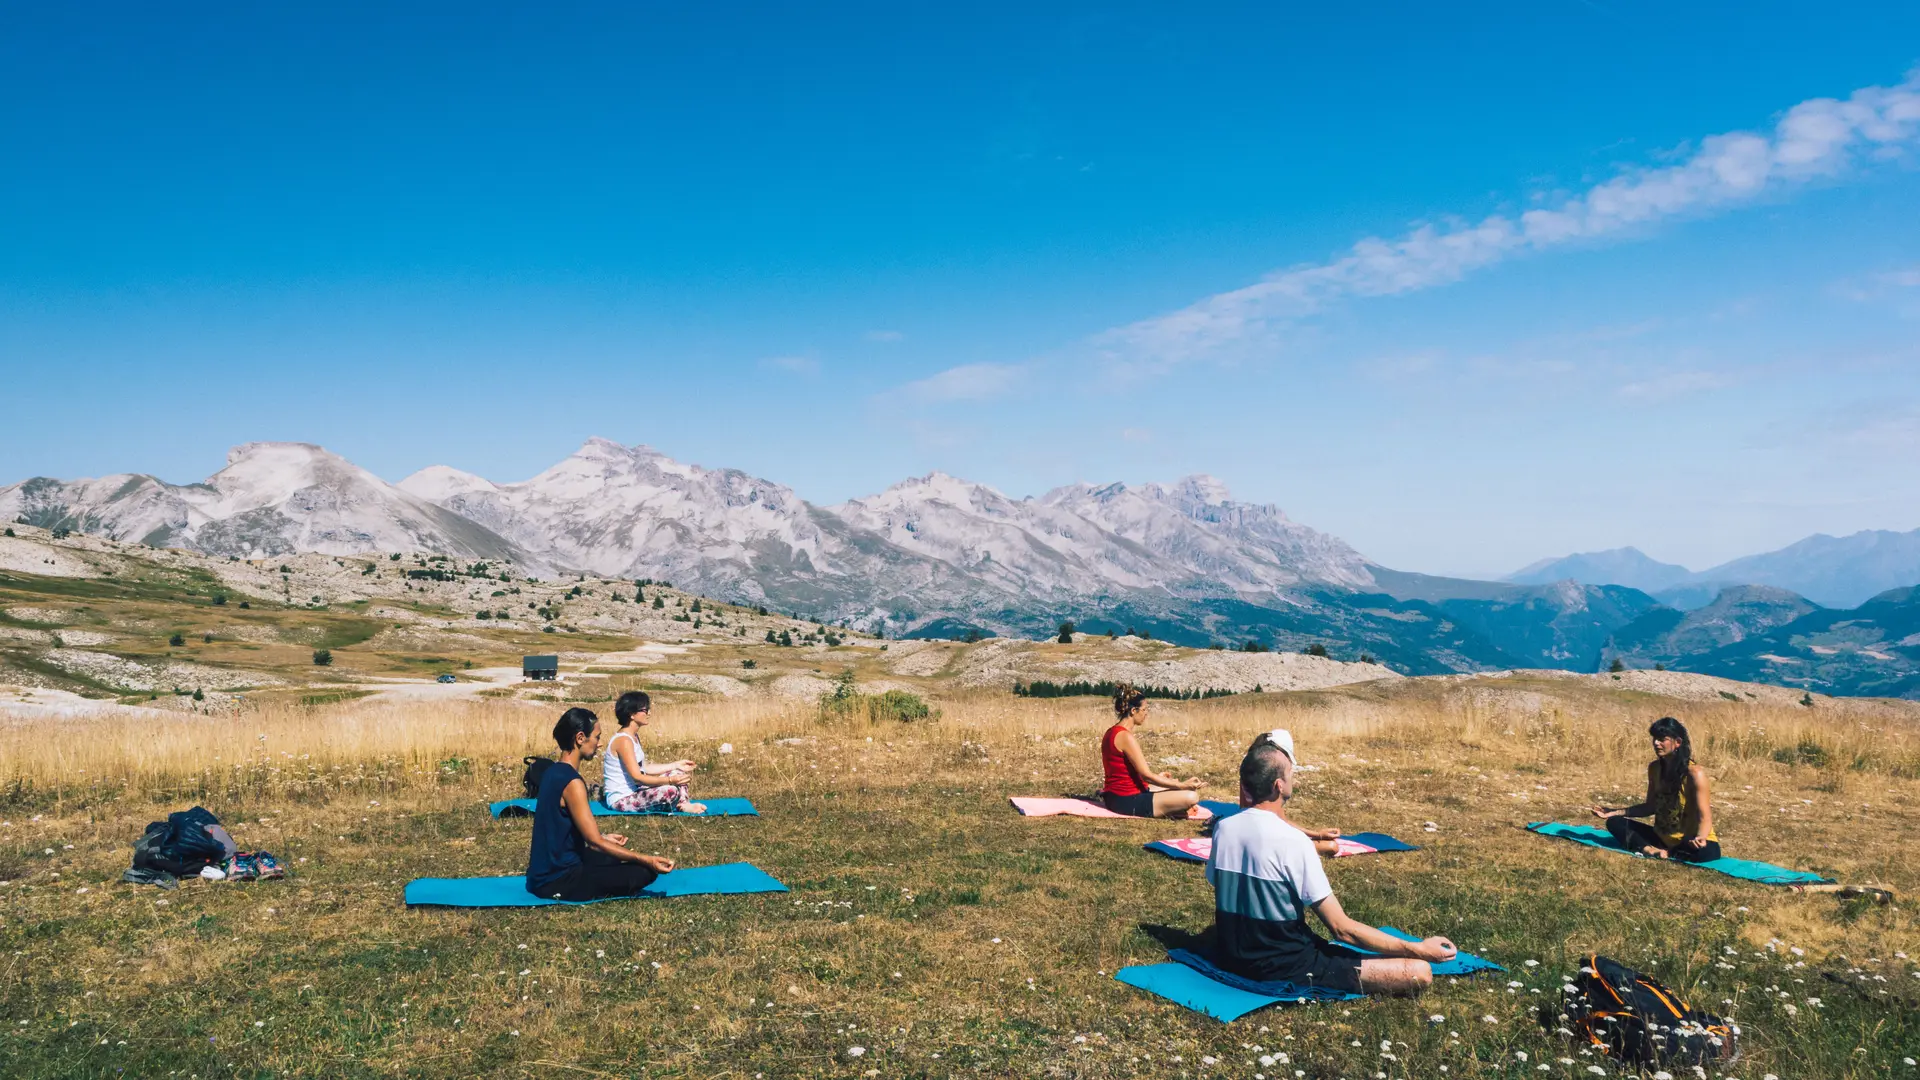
931, 931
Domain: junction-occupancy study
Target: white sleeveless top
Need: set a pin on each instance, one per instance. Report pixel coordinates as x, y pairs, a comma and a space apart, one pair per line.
614, 781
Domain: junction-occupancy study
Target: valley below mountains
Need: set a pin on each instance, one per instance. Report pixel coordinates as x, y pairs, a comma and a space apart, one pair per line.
941, 557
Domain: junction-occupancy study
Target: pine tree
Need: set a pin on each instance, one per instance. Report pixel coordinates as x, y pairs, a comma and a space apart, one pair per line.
1616, 667
1066, 632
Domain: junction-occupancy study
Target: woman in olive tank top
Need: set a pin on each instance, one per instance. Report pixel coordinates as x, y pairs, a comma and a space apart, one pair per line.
1679, 800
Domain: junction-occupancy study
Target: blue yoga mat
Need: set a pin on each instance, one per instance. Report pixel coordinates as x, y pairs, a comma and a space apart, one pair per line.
1221, 809
1191, 980
1379, 842
496, 892
715, 808
1184, 986
1463, 963
1744, 869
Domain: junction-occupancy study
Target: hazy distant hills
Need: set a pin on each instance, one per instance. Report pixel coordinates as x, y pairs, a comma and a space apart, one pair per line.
1840, 572
941, 556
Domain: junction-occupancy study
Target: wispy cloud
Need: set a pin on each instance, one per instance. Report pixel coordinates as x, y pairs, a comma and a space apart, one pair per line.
968, 382
1818, 138
1898, 284
1675, 384
885, 336
797, 365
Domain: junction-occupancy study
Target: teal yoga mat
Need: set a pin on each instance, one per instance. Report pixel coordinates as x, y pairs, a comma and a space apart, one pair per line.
1744, 869
715, 808
1192, 981
498, 892
1187, 987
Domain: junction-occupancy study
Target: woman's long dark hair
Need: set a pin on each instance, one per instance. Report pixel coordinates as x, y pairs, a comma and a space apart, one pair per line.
1673, 767
1127, 700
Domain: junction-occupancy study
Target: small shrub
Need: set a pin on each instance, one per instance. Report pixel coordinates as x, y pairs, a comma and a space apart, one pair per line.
1808, 752
1367, 658
1616, 667
197, 695
1806, 698
322, 657
1729, 697
748, 664
9, 530
176, 641
658, 603
1253, 646
206, 638
245, 605
786, 637
1316, 649
1066, 633
219, 599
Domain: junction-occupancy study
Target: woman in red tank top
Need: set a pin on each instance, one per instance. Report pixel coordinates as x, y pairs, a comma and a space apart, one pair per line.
1131, 787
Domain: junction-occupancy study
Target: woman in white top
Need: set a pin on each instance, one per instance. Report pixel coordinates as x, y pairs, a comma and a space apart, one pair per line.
627, 783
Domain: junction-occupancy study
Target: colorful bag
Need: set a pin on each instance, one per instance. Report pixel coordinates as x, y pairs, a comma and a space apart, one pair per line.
1635, 1020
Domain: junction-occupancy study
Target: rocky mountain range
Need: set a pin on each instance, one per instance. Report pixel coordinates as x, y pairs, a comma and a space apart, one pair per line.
933, 556
272, 499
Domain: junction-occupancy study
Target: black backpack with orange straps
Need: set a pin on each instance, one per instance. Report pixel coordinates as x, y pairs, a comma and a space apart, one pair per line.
1635, 1020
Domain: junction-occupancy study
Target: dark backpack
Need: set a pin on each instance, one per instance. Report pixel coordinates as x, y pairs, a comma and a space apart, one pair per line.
536, 769
180, 845
1635, 1020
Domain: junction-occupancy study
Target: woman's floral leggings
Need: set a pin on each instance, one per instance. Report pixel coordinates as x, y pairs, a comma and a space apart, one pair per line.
664, 797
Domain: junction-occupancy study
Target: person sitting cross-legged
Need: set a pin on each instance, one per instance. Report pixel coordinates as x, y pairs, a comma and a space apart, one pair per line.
1266, 874
570, 858
627, 782
1679, 800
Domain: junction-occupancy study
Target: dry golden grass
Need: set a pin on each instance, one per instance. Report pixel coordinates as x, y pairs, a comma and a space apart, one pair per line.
907, 865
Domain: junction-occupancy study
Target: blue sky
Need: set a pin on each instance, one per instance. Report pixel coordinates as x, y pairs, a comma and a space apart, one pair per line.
1465, 287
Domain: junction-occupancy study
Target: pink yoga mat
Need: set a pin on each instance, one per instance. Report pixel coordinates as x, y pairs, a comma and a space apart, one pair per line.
1038, 807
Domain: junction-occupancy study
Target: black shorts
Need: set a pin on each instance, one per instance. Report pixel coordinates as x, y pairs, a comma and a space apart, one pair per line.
1328, 966
1140, 805
1333, 968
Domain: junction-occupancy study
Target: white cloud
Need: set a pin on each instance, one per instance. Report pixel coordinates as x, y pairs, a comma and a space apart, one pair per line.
887, 336
968, 382
1661, 388
797, 365
1818, 138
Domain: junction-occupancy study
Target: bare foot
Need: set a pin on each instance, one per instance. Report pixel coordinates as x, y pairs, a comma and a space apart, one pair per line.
1654, 852
693, 808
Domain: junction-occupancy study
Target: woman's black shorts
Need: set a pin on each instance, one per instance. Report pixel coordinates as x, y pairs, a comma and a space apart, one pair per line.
1140, 805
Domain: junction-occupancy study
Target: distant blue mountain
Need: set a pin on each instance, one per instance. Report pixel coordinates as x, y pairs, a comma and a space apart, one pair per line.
1620, 566
1834, 572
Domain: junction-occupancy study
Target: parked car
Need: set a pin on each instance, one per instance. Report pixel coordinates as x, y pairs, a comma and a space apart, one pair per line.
444, 678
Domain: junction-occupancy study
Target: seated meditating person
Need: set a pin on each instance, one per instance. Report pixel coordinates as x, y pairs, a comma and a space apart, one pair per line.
626, 783
1266, 875
571, 859
1132, 788
1325, 841
1679, 799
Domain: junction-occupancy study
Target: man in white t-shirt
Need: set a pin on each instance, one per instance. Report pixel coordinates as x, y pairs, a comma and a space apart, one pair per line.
1266, 874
